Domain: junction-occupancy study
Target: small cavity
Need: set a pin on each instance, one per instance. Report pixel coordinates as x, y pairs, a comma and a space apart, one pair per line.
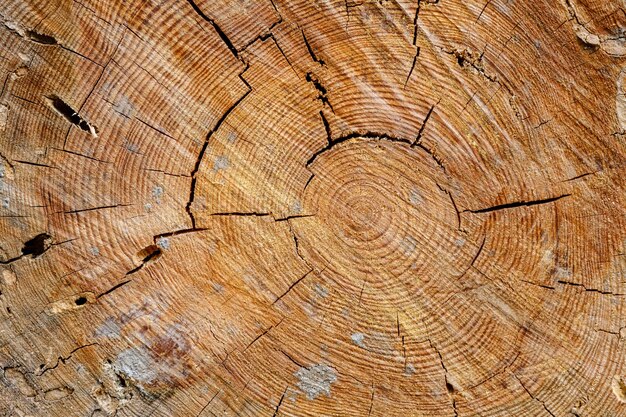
70, 114
149, 253
449, 387
37, 245
41, 38
80, 301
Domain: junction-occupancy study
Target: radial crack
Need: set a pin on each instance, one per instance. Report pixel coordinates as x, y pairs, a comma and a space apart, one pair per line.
532, 396
95, 208
282, 397
322, 96
71, 115
449, 386
574, 284
418, 138
471, 264
417, 54
219, 31
449, 194
291, 286
515, 204
311, 52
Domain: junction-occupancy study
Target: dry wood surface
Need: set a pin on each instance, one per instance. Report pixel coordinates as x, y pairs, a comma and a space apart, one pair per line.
312, 208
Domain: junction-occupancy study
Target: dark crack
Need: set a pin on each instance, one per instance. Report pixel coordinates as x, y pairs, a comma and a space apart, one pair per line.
259, 336
62, 360
408, 77
269, 33
311, 52
420, 133
353, 135
205, 145
517, 204
543, 404
95, 208
575, 284
71, 115
468, 60
219, 31
449, 386
473, 261
322, 91
456, 209
296, 282
115, 287
282, 397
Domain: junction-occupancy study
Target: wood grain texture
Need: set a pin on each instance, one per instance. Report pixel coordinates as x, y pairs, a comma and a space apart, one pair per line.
312, 208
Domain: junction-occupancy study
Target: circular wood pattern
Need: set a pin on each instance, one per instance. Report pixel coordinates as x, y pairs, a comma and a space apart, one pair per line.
312, 208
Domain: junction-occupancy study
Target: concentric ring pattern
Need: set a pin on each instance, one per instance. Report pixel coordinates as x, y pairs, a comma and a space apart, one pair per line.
312, 208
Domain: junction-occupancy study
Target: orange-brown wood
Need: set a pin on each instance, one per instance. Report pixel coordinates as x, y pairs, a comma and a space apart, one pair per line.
312, 208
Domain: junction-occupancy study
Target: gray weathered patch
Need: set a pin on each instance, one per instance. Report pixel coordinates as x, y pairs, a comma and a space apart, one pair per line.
136, 364
221, 162
124, 107
408, 245
109, 329
321, 291
157, 193
415, 197
358, 339
163, 243
409, 369
316, 380
296, 207
219, 288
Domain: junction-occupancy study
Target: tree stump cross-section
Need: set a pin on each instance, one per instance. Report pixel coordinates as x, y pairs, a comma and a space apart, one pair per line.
312, 208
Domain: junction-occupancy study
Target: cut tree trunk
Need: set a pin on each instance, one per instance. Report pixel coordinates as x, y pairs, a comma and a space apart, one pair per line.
313, 208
